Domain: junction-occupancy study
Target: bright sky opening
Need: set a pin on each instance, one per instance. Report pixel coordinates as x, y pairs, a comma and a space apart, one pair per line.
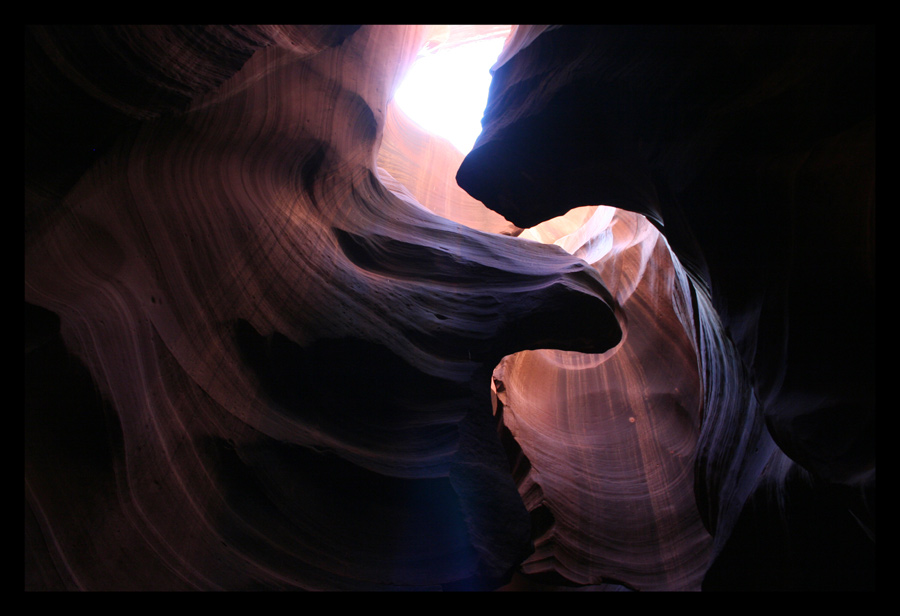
446, 92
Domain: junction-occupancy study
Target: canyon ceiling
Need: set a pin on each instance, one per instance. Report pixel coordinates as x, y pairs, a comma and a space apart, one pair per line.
277, 337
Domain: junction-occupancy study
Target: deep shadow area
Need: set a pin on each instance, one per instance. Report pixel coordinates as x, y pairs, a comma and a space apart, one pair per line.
296, 509
351, 388
809, 541
70, 439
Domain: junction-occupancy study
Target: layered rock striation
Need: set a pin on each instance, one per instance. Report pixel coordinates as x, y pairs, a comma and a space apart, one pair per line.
292, 363
271, 345
752, 149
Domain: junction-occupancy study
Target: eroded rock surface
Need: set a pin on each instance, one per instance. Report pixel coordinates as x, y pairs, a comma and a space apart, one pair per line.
265, 332
293, 363
752, 149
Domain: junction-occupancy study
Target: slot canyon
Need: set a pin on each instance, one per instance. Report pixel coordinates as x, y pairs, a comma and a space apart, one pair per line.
279, 337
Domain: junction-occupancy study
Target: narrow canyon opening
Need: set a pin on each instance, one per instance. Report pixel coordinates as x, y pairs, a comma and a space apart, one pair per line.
445, 91
266, 309
643, 395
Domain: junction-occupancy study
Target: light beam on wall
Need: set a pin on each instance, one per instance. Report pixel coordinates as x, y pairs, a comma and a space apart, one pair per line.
445, 92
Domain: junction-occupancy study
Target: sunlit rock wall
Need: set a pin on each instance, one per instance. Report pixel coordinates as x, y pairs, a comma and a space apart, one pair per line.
291, 363
752, 149
270, 344
414, 162
608, 441
423, 166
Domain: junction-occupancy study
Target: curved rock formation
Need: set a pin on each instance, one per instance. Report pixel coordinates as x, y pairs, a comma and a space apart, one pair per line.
753, 150
265, 332
290, 357
421, 167
617, 501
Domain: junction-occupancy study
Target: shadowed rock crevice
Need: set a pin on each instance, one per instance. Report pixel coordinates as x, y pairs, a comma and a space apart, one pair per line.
302, 512
263, 321
757, 142
374, 400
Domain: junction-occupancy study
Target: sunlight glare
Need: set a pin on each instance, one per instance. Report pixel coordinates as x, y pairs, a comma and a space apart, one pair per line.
446, 92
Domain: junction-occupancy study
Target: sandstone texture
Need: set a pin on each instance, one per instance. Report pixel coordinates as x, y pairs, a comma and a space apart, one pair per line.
277, 337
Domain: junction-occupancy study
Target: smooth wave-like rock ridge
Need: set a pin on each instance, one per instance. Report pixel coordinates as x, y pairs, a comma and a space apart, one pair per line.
617, 499
292, 363
272, 345
752, 149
